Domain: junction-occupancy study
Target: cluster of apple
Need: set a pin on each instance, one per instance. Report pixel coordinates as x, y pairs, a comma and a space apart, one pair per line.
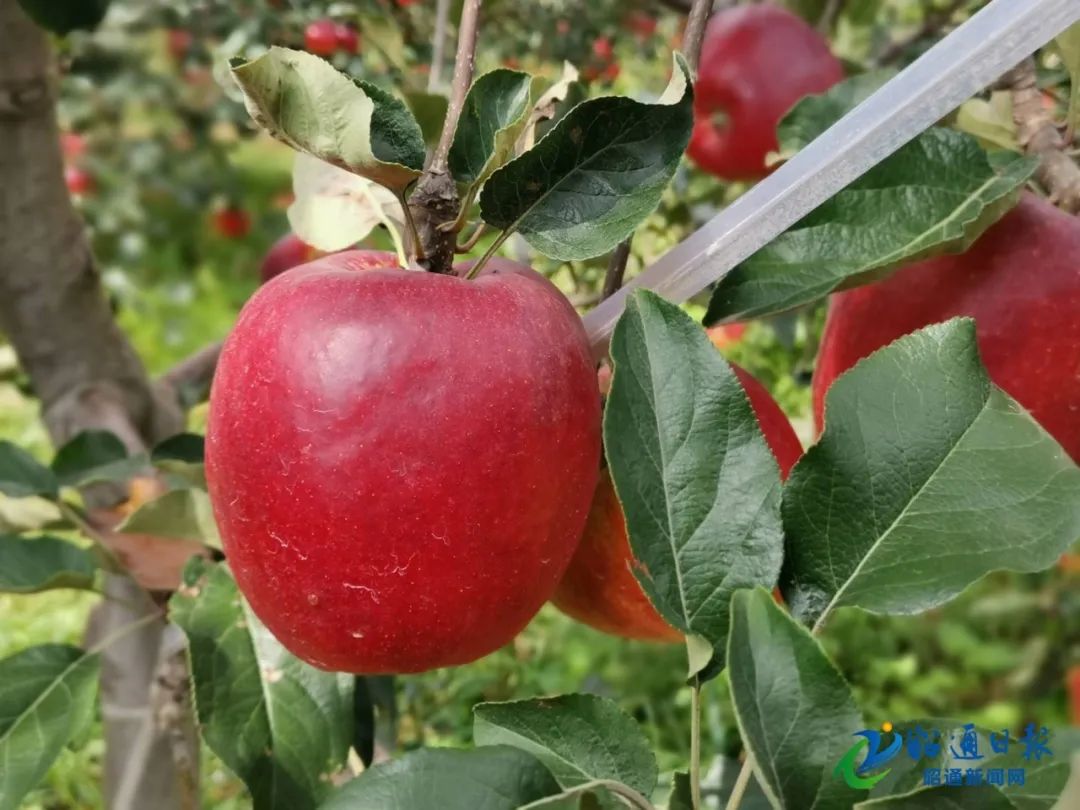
326, 37
79, 181
406, 466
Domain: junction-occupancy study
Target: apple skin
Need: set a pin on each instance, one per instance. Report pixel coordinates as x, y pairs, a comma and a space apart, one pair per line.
599, 588
1020, 282
321, 38
232, 222
756, 62
291, 251
400, 462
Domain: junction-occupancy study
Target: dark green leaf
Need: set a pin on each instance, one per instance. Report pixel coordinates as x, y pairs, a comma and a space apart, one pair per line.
283, 726
187, 447
489, 778
698, 484
21, 475
795, 711
429, 109
46, 698
183, 514
580, 738
94, 456
305, 102
64, 16
596, 175
495, 113
41, 563
935, 195
927, 477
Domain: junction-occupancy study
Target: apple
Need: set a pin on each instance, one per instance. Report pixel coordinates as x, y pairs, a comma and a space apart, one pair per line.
79, 181
641, 24
726, 335
178, 42
599, 588
231, 222
321, 38
72, 145
602, 49
347, 37
286, 253
756, 62
1020, 282
401, 462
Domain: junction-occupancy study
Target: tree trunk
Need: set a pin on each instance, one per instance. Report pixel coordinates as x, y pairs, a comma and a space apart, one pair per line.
87, 375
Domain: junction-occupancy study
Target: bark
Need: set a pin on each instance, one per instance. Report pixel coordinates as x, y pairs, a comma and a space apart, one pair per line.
86, 374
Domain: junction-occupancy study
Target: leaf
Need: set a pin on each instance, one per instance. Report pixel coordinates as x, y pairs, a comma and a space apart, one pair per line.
281, 725
991, 122
42, 563
580, 738
812, 115
46, 698
1068, 44
490, 778
935, 195
565, 94
596, 175
495, 113
698, 485
182, 514
187, 447
429, 109
333, 210
305, 102
28, 514
926, 478
64, 16
94, 456
22, 476
795, 712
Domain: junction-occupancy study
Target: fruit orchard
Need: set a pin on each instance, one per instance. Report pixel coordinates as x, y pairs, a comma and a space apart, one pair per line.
319, 489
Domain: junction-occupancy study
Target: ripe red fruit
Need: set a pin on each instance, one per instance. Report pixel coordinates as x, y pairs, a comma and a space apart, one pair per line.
347, 37
178, 42
641, 24
599, 588
726, 334
1072, 686
1021, 283
72, 146
232, 222
611, 72
602, 48
79, 181
286, 253
401, 462
756, 62
321, 38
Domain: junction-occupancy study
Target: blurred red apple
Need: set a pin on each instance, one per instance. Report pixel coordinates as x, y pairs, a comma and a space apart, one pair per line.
321, 38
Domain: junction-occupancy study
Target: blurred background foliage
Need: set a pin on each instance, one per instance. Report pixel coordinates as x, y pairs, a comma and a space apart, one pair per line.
182, 199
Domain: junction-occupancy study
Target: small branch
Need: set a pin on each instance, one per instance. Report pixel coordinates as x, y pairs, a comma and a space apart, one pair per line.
695, 745
738, 790
695, 31
932, 25
471, 241
1039, 135
613, 277
438, 55
195, 372
464, 65
828, 17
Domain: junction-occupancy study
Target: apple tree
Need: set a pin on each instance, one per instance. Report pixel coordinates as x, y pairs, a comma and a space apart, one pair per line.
409, 452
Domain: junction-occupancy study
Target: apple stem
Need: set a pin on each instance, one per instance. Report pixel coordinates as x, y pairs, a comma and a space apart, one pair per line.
474, 271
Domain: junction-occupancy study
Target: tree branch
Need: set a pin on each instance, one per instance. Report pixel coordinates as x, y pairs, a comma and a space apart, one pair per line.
1039, 135
191, 377
936, 19
464, 65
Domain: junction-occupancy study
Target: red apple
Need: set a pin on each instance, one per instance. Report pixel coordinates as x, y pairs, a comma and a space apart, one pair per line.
348, 38
79, 181
641, 24
286, 253
401, 462
1021, 283
178, 43
321, 38
726, 334
756, 62
72, 146
602, 49
232, 222
599, 588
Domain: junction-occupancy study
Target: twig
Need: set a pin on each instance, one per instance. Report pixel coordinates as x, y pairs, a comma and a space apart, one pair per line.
934, 22
828, 16
616, 269
695, 745
438, 56
738, 790
470, 242
1039, 135
695, 31
195, 371
464, 64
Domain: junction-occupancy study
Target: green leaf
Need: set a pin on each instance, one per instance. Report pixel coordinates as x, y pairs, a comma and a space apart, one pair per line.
489, 778
991, 122
305, 102
21, 475
1068, 44
580, 738
183, 514
795, 712
429, 109
94, 456
935, 195
42, 563
187, 447
283, 726
596, 175
495, 113
46, 698
64, 16
812, 115
926, 478
698, 485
